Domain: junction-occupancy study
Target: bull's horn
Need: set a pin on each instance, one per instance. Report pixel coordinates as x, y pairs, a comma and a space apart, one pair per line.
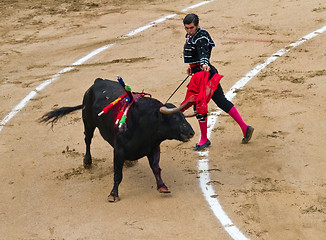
189, 115
166, 110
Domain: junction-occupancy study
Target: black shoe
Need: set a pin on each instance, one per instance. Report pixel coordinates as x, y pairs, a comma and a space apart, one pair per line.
201, 147
249, 132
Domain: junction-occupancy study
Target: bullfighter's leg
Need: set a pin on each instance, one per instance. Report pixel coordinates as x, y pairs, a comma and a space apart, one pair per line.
154, 159
228, 107
118, 165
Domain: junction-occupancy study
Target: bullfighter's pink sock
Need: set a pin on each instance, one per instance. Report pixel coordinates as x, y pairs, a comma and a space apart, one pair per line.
236, 116
203, 131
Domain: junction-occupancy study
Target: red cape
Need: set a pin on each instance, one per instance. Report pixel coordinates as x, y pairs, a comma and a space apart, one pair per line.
200, 91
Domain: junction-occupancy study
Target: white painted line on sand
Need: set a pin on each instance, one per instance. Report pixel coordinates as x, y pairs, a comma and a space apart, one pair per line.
196, 5
56, 76
203, 163
162, 19
44, 84
151, 24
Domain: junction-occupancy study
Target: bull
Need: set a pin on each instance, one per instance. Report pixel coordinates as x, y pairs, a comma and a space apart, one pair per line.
149, 123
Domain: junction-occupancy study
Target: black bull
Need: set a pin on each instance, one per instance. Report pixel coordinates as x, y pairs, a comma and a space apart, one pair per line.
146, 127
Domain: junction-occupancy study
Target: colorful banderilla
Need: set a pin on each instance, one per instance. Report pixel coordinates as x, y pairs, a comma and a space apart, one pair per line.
108, 107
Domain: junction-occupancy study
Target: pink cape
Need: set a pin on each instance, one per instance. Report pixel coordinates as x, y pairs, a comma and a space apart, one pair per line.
200, 91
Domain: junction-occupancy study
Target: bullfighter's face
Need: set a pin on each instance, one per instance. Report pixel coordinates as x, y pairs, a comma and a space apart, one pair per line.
191, 29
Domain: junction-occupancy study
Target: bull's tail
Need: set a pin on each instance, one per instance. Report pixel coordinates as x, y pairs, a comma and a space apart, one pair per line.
53, 116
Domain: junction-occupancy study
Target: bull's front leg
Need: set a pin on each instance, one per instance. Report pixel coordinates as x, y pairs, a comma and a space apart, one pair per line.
88, 156
154, 159
118, 165
88, 132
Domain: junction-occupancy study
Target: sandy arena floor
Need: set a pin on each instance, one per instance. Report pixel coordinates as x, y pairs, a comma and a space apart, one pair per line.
272, 188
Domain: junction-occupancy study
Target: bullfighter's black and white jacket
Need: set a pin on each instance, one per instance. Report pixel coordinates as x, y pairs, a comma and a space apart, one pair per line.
198, 48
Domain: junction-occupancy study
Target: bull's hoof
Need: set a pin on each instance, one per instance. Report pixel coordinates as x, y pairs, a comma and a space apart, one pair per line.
112, 198
87, 161
87, 166
164, 189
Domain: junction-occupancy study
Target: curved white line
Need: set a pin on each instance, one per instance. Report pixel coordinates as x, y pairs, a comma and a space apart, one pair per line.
196, 5
138, 30
44, 84
203, 166
56, 76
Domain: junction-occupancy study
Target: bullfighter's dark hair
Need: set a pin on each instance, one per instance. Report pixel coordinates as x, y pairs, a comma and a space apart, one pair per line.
191, 18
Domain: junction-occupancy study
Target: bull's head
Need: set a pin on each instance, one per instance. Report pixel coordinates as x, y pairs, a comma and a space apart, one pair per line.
177, 126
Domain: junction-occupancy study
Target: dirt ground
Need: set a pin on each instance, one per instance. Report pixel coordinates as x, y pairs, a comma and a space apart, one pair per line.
272, 188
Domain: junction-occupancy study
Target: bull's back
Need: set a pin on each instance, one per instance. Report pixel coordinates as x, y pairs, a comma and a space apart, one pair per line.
106, 91
97, 97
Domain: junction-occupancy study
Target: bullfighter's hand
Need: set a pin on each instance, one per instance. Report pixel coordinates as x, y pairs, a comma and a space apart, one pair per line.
205, 67
189, 71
